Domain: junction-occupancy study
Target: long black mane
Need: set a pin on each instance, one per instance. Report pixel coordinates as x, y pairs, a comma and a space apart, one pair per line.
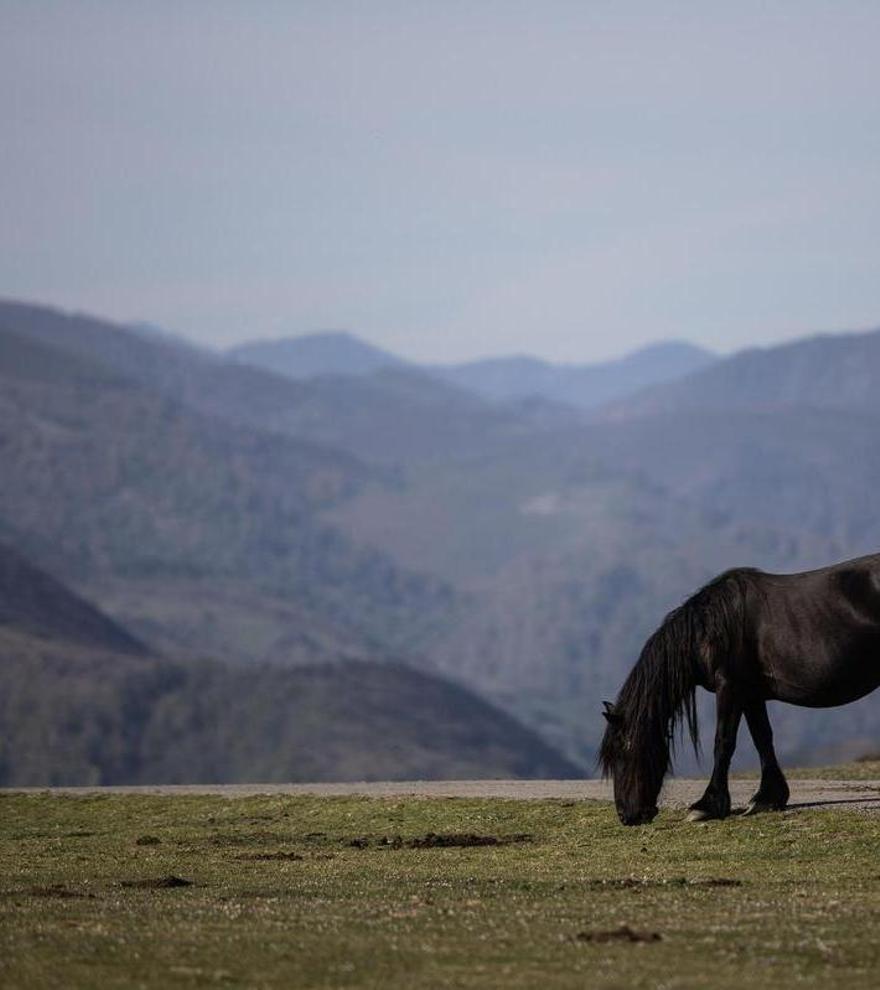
658, 699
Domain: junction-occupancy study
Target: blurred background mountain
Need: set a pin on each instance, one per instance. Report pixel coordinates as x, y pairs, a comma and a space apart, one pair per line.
309, 559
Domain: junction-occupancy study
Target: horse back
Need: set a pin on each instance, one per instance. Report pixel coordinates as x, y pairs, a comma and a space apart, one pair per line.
816, 635
860, 589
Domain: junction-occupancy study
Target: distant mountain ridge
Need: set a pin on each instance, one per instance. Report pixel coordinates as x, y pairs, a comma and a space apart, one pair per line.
331, 352
585, 386
395, 413
828, 371
501, 379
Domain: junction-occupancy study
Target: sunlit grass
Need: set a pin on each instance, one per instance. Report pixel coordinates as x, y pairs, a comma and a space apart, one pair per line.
326, 892
863, 769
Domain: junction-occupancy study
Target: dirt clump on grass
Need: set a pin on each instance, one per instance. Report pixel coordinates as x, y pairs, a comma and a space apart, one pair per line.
433, 841
158, 883
280, 856
622, 933
439, 840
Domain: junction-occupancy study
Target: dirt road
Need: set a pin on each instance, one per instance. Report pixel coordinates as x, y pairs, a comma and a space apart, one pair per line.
859, 795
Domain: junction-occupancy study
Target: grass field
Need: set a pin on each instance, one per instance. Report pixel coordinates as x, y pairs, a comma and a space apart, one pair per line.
864, 769
125, 891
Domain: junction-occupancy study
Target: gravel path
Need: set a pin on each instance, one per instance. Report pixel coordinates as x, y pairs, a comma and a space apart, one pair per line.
859, 795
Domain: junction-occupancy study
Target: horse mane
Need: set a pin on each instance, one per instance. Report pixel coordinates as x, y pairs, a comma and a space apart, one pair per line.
658, 698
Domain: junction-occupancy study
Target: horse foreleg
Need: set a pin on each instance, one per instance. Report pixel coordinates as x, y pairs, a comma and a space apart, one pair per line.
772, 794
715, 802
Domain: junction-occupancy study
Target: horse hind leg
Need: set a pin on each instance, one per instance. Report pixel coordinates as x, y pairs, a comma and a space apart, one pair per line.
772, 793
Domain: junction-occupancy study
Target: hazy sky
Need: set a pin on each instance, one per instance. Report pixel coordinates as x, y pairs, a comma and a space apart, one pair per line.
447, 179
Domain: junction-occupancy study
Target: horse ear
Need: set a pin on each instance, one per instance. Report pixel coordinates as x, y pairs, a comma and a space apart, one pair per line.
609, 713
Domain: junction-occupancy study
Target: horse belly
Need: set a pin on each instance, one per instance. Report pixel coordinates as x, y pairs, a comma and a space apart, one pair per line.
829, 676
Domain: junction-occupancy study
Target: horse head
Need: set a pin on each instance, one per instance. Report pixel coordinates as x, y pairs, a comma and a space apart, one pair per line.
636, 771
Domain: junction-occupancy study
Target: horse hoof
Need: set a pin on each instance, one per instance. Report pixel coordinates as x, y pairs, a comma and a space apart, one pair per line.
698, 815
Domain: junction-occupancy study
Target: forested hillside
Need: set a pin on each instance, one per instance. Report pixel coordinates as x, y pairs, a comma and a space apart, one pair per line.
71, 716
115, 485
83, 702
34, 603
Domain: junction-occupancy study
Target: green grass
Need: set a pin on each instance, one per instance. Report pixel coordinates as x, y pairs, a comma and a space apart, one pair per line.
775, 900
867, 768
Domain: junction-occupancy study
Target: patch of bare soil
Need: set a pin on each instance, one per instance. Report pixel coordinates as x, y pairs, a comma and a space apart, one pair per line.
622, 934
441, 840
280, 856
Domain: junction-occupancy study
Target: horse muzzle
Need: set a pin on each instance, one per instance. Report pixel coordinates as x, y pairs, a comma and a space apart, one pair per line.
642, 817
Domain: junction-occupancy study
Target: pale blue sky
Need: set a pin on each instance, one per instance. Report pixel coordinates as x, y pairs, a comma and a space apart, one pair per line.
448, 179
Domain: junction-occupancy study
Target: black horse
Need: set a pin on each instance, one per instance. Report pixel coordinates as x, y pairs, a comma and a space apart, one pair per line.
810, 639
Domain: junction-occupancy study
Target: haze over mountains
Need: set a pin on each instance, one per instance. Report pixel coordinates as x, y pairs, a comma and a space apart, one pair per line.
498, 379
332, 352
836, 372
523, 547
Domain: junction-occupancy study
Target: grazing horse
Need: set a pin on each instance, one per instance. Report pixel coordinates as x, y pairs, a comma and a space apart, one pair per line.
810, 639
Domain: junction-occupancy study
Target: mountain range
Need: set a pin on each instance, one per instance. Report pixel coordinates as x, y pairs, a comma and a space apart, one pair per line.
828, 372
496, 379
518, 545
